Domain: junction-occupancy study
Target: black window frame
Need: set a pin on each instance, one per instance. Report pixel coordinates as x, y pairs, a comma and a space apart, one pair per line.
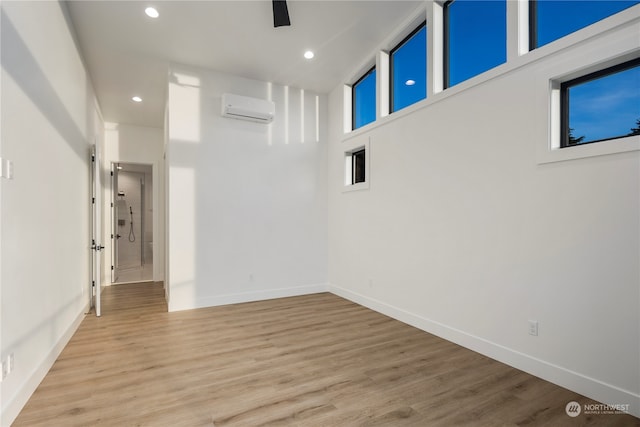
533, 25
359, 165
353, 96
565, 105
445, 42
395, 49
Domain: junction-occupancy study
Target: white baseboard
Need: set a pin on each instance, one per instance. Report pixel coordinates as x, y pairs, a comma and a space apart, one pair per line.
241, 297
12, 409
589, 387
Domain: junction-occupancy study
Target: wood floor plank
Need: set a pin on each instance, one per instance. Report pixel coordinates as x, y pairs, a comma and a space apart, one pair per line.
315, 360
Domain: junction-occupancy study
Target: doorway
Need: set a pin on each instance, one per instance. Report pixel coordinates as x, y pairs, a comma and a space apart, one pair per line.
132, 223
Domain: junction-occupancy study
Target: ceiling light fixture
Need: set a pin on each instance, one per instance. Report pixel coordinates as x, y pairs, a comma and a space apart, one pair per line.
151, 12
309, 55
410, 82
136, 99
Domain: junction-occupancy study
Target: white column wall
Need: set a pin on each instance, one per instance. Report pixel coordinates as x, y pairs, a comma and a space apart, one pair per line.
248, 208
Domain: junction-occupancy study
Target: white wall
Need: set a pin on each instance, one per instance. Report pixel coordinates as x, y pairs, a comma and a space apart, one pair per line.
247, 211
143, 145
49, 120
464, 234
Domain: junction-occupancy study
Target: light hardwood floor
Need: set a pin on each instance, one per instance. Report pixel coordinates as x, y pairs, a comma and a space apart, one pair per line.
315, 360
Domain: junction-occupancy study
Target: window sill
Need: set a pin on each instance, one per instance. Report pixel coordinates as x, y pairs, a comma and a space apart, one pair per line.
355, 187
603, 148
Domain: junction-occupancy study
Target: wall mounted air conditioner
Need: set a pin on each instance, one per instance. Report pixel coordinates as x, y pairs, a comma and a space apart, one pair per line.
246, 108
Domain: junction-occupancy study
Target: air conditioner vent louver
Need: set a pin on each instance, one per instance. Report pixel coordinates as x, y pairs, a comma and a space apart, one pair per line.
246, 108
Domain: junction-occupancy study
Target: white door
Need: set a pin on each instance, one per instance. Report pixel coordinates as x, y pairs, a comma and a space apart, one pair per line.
96, 238
114, 229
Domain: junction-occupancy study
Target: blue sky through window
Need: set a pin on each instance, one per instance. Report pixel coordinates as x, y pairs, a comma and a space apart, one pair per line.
557, 18
477, 37
409, 65
364, 100
605, 108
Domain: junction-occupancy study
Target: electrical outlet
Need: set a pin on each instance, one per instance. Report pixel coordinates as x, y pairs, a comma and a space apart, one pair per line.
533, 328
10, 362
5, 369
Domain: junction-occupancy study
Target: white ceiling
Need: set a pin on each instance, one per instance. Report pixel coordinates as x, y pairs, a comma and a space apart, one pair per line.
128, 53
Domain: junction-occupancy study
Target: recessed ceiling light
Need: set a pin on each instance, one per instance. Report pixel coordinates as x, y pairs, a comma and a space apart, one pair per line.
309, 55
410, 82
151, 12
136, 99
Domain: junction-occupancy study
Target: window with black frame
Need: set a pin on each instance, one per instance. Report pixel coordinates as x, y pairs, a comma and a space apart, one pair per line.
550, 20
358, 165
475, 38
364, 99
601, 106
408, 70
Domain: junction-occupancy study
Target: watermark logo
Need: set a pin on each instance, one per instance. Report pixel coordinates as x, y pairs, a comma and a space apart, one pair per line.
573, 409
606, 409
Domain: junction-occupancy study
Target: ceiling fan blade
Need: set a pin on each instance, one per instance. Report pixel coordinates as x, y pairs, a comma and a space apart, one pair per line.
280, 14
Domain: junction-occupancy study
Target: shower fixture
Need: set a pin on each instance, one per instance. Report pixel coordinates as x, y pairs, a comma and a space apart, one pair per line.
132, 235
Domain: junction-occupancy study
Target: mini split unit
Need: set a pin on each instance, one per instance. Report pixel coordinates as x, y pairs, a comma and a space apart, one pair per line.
246, 108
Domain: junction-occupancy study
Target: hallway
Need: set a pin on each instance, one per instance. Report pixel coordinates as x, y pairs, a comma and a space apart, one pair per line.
135, 274
137, 299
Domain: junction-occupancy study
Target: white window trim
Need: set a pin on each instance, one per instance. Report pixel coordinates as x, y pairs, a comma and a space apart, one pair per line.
518, 55
548, 148
347, 108
350, 148
380, 59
